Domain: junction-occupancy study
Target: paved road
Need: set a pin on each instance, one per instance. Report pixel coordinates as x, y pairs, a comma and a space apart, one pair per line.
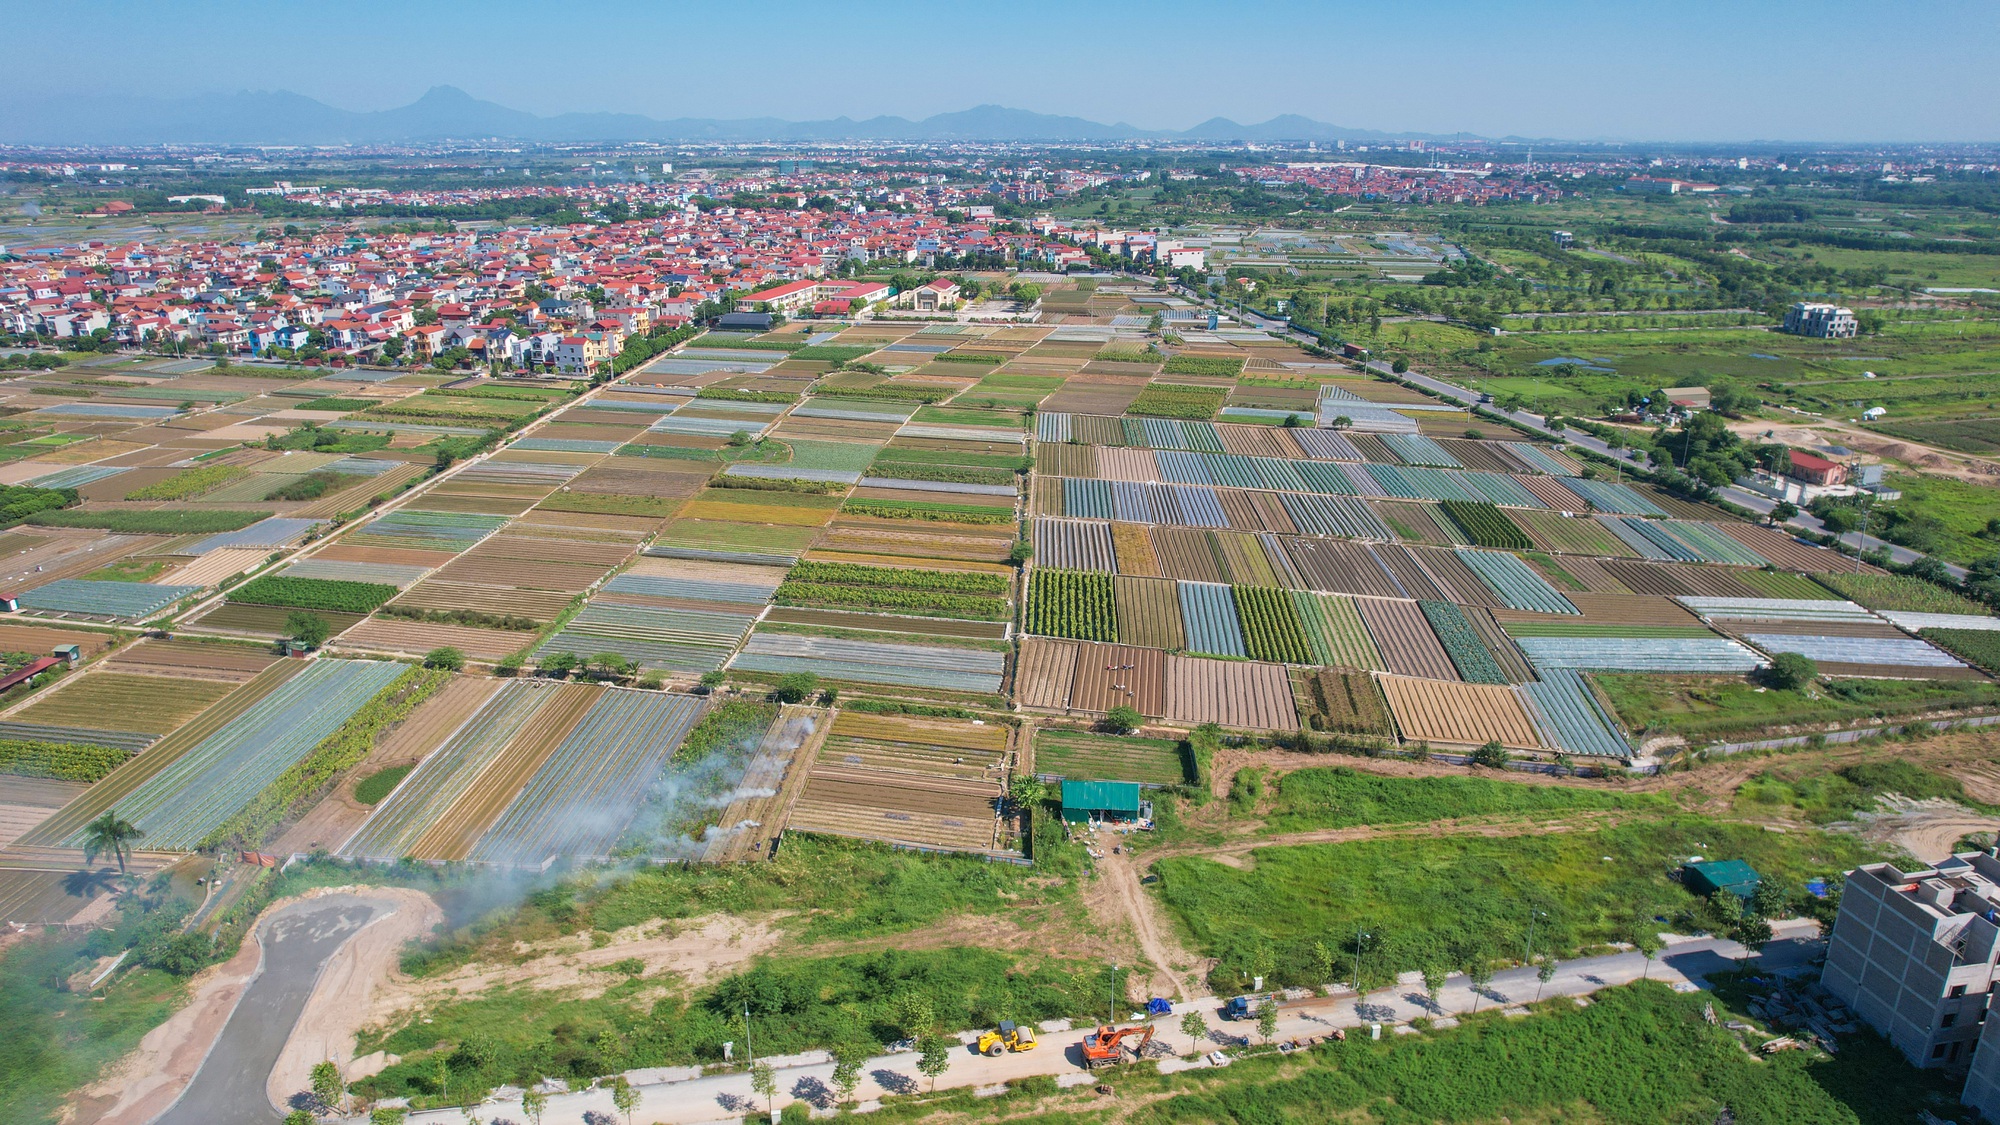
297, 940
728, 1097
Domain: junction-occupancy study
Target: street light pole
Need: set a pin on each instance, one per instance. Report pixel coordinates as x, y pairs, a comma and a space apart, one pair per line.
748, 1046
1528, 950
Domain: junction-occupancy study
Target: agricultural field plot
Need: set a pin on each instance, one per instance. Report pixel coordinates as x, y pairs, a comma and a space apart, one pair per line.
1074, 604
928, 747
202, 788
1560, 534
1570, 717
110, 700
1459, 714
1640, 654
1334, 631
903, 810
418, 529
1344, 568
1462, 643
112, 601
1404, 639
1112, 675
236, 619
1081, 756
1067, 544
970, 595
1209, 616
1149, 612
194, 659
869, 662
578, 803
1046, 673
1243, 694
1347, 702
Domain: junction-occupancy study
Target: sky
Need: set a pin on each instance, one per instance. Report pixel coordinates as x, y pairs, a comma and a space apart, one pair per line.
1679, 70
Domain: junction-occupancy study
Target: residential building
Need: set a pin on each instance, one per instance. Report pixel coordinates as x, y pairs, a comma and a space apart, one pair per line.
1828, 322
1814, 469
1915, 955
1562, 238
937, 295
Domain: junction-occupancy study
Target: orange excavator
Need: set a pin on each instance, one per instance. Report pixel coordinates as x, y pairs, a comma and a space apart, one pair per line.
1106, 1046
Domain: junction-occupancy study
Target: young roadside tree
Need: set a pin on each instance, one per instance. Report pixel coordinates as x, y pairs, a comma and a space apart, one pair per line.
1267, 1021
1545, 971
914, 1013
847, 1060
1322, 962
1648, 945
1479, 971
534, 1103
764, 1080
934, 1057
396, 1115
624, 1097
1194, 1025
1783, 512
300, 1117
327, 1087
1433, 984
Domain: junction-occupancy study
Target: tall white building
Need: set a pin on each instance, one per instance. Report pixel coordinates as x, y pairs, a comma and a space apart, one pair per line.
1830, 322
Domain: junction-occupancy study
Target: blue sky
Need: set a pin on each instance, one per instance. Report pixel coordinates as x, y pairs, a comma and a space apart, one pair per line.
1672, 70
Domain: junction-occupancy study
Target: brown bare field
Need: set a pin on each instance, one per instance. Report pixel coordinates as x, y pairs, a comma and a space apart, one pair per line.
414, 638
538, 605
1243, 694
1459, 714
1132, 548
1256, 441
479, 504
1341, 568
622, 480
263, 620
873, 805
1410, 573
1109, 675
1186, 552
1149, 612
1786, 551
1064, 460
1404, 638
1513, 664
1117, 463
1045, 673
1673, 580
1080, 397
454, 834
1594, 577
26, 638
1551, 492
70, 553
1452, 575
398, 556
522, 573
859, 535
869, 559
195, 659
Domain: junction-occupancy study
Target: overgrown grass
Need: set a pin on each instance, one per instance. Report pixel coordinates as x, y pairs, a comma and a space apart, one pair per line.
1441, 900
1827, 797
1338, 797
1715, 707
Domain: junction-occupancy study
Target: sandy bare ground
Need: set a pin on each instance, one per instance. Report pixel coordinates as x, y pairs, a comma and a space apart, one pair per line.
335, 1012
143, 1084
1924, 458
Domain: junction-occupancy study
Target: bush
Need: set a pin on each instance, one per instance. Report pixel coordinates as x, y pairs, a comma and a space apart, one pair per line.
380, 784
794, 687
1790, 671
446, 659
1123, 719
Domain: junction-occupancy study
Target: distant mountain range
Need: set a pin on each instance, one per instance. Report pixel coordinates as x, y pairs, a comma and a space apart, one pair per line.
446, 113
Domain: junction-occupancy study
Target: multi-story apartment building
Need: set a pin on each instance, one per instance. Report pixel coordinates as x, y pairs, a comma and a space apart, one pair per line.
1915, 954
1828, 322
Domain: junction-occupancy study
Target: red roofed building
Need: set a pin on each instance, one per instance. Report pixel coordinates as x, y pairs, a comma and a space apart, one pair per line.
1814, 469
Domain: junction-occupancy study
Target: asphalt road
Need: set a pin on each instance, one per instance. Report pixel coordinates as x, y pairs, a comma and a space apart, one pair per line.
229, 1087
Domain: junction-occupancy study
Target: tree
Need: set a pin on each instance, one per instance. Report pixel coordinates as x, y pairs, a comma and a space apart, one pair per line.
914, 1013
1648, 945
764, 1080
446, 659
327, 1087
1194, 1025
1791, 671
935, 1058
1267, 1021
1322, 961
534, 1103
1123, 719
794, 687
309, 629
1480, 972
300, 1117
1433, 984
847, 1060
109, 834
558, 664
1545, 971
1839, 519
1751, 933
1401, 365
1492, 756
624, 1097
610, 665
1783, 512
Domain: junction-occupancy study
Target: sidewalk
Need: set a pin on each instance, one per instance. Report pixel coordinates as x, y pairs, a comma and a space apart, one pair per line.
728, 1096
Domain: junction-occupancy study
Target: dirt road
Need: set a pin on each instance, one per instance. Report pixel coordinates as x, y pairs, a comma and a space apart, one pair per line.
1170, 963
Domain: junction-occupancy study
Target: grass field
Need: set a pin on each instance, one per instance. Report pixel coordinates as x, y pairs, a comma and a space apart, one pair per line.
1702, 708
1337, 797
1439, 900
1081, 756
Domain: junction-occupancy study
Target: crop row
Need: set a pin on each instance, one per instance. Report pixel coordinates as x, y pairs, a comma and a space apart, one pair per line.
1334, 629
975, 606
335, 595
1271, 628
1204, 365
1348, 703
1069, 603
69, 761
188, 483
923, 510
1475, 665
1486, 525
851, 574
1517, 586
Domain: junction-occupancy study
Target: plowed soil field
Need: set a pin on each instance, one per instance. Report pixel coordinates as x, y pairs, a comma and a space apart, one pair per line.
1242, 694
230, 663
1404, 639
1341, 568
1459, 714
414, 638
1185, 552
1046, 672
1110, 676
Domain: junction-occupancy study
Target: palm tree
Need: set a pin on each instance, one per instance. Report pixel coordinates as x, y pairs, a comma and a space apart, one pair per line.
109, 834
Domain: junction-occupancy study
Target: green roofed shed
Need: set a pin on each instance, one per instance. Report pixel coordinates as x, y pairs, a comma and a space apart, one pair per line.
1081, 800
1732, 875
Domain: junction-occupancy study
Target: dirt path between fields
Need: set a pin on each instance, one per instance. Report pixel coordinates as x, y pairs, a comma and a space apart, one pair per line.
1119, 897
